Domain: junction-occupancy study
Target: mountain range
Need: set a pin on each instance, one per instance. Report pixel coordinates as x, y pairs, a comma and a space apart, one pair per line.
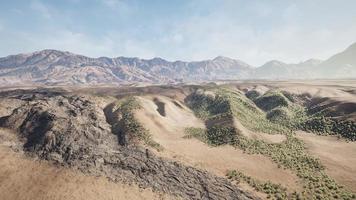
53, 67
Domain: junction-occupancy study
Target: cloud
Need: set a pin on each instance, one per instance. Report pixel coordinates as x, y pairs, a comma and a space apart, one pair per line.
257, 33
17, 11
290, 38
111, 3
41, 8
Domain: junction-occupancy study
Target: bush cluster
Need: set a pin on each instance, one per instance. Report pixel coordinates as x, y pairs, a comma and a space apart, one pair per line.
329, 126
219, 135
252, 94
279, 114
271, 100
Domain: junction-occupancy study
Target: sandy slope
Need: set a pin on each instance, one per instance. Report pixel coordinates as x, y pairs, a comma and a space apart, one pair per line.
270, 138
24, 179
168, 130
338, 156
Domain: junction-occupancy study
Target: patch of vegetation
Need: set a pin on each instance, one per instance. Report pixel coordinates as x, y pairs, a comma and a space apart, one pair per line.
272, 99
207, 105
291, 97
291, 117
346, 129
226, 103
219, 135
252, 94
248, 114
193, 132
214, 136
274, 191
328, 126
279, 114
289, 154
129, 126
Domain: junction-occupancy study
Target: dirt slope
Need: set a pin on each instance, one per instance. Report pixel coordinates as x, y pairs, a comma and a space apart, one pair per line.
338, 156
168, 130
23, 179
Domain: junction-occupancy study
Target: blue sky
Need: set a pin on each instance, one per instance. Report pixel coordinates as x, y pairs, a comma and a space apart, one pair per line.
254, 31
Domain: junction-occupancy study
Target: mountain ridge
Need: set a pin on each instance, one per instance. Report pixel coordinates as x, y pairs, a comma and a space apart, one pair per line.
54, 67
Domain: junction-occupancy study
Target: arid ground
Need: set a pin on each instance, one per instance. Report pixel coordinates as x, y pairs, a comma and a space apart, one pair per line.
223, 140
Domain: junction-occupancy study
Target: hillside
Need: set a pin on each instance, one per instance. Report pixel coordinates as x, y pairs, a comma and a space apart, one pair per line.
252, 140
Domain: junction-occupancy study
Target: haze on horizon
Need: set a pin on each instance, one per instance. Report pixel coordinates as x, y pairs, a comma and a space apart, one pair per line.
252, 31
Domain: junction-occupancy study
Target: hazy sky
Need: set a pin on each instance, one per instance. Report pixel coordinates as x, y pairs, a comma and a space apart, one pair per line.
250, 30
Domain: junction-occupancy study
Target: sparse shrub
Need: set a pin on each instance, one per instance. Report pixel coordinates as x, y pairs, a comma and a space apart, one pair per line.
192, 132
271, 189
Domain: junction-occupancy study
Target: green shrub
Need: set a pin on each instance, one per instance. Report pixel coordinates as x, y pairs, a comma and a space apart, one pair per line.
250, 116
278, 115
271, 189
129, 127
320, 125
252, 94
346, 129
205, 105
192, 132
219, 135
329, 126
271, 100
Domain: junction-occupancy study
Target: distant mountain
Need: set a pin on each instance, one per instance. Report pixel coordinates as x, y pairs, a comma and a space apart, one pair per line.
341, 65
279, 70
52, 67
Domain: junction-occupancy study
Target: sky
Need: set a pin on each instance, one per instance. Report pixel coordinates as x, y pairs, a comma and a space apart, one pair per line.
254, 31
